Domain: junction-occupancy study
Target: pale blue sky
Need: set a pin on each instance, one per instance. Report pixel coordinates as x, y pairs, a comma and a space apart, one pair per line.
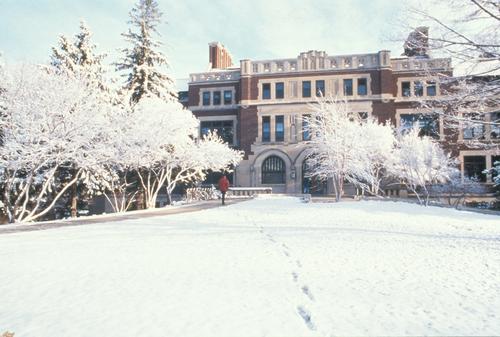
254, 29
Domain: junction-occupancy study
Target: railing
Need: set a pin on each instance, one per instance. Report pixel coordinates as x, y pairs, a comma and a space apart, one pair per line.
201, 193
216, 76
416, 64
249, 191
314, 61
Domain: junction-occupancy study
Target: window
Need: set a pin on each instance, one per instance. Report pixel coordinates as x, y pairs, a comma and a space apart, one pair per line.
228, 97
474, 167
279, 133
266, 91
306, 135
273, 170
224, 129
280, 90
320, 88
495, 126
348, 87
266, 129
216, 97
206, 98
306, 88
362, 87
267, 67
473, 130
418, 88
428, 124
406, 89
255, 67
431, 88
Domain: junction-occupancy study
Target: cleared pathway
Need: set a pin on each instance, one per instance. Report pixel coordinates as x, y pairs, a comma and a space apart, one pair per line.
188, 208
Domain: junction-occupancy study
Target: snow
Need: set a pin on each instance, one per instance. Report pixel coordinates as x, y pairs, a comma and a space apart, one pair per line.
272, 266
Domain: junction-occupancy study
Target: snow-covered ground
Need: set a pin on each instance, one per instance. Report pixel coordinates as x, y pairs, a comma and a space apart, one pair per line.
267, 267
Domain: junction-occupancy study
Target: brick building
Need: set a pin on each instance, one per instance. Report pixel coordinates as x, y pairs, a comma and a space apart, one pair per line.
257, 107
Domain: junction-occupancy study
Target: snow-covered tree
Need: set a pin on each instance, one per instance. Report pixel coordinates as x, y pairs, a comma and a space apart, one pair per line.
145, 65
79, 57
495, 171
208, 153
344, 146
419, 162
155, 146
468, 32
376, 145
52, 122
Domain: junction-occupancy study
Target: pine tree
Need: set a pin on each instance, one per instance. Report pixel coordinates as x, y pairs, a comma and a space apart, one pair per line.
143, 60
79, 57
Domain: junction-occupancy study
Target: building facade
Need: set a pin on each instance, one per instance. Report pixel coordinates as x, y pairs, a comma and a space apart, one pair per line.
258, 108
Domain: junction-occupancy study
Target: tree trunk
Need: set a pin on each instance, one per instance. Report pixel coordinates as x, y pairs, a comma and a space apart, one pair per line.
140, 200
74, 200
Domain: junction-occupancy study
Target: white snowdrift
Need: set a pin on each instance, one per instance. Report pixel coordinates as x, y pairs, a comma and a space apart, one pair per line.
267, 267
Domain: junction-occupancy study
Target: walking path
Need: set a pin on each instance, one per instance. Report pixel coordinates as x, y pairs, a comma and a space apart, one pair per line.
188, 208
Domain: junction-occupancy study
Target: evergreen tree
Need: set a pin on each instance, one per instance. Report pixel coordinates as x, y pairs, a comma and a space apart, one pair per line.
79, 57
143, 61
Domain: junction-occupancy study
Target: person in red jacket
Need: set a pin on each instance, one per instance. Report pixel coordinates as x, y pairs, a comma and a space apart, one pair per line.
223, 187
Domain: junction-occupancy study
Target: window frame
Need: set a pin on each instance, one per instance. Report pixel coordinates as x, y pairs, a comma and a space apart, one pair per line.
306, 90
318, 92
216, 97
468, 166
406, 91
422, 118
279, 93
348, 90
206, 98
365, 86
230, 101
266, 132
474, 131
418, 88
306, 133
279, 135
221, 126
431, 84
266, 91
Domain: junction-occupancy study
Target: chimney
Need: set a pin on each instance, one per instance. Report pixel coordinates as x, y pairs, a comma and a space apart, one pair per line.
219, 56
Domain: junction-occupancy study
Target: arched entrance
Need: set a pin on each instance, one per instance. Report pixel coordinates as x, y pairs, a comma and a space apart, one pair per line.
273, 171
312, 185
